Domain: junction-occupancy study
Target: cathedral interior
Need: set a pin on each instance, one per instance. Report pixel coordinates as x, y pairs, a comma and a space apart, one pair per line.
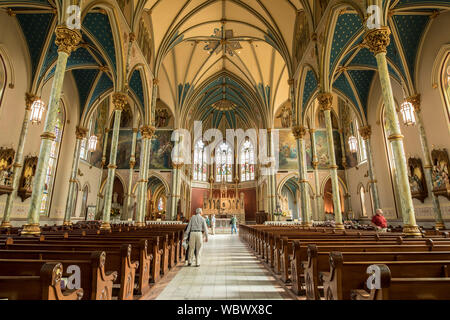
98, 99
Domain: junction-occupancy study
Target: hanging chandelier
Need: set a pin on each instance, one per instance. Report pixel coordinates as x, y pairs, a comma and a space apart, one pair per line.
37, 110
352, 144
93, 143
407, 111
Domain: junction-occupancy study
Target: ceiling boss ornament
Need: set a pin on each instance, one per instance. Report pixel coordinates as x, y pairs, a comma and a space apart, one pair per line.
222, 42
224, 105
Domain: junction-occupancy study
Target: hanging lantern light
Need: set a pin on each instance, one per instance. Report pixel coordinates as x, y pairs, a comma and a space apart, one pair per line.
352, 144
37, 110
407, 111
93, 143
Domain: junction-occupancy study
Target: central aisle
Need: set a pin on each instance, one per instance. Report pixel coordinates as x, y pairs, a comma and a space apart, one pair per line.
228, 271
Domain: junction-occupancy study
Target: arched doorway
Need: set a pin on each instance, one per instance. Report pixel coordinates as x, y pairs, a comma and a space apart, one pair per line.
157, 199
328, 200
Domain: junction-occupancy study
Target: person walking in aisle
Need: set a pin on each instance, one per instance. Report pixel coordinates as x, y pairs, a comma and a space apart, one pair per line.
195, 230
233, 222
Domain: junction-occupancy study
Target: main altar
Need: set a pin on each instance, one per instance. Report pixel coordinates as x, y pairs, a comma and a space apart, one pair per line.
224, 206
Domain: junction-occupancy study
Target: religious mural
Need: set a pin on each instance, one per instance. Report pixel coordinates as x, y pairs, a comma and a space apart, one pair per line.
162, 118
416, 178
301, 35
161, 150
441, 183
6, 168
100, 119
322, 149
287, 154
144, 41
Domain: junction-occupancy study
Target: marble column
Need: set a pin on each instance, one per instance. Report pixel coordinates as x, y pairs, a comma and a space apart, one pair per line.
67, 41
272, 174
377, 41
126, 212
119, 102
299, 133
365, 133
347, 196
427, 166
98, 212
80, 134
18, 161
315, 165
146, 133
325, 102
176, 188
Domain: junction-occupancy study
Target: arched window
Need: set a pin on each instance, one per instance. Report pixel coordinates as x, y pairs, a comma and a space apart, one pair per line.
247, 161
445, 82
224, 163
84, 201
84, 150
160, 204
200, 166
53, 160
3, 78
362, 152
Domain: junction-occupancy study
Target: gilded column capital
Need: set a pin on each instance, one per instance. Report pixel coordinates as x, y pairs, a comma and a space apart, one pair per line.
415, 101
132, 163
365, 132
325, 100
119, 101
147, 132
177, 165
377, 40
29, 99
67, 39
135, 130
315, 164
312, 130
299, 132
80, 132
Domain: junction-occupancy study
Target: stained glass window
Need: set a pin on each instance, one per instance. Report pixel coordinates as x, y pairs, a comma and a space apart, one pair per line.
200, 166
84, 154
247, 161
53, 161
160, 204
224, 163
361, 144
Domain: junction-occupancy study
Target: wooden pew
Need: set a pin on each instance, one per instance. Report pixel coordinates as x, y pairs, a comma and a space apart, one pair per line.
46, 286
344, 277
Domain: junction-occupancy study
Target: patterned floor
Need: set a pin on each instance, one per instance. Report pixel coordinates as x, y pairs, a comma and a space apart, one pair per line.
228, 271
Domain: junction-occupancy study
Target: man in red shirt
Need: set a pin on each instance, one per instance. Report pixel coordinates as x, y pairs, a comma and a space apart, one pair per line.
379, 221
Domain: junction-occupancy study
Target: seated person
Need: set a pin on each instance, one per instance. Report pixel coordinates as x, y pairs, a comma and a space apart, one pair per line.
379, 221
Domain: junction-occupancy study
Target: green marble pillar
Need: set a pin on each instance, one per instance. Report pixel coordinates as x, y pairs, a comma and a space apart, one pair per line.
119, 102
98, 212
299, 133
147, 133
377, 41
325, 102
273, 173
70, 202
365, 133
176, 189
415, 101
315, 164
126, 212
348, 200
66, 40
18, 161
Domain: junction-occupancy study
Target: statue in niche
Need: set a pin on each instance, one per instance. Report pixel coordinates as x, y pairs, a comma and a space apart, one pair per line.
26, 181
162, 118
285, 115
417, 181
6, 166
441, 183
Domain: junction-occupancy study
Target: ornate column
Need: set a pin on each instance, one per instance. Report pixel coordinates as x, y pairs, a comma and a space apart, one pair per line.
315, 165
325, 102
365, 133
377, 41
80, 134
344, 164
18, 161
126, 213
147, 133
299, 134
98, 213
67, 41
176, 188
119, 102
272, 174
415, 101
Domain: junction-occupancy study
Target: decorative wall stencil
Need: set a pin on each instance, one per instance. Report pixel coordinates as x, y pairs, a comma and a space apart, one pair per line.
6, 169
287, 154
161, 150
26, 181
441, 184
417, 180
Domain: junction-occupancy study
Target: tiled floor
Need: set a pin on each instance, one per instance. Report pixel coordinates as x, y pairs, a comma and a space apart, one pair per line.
228, 271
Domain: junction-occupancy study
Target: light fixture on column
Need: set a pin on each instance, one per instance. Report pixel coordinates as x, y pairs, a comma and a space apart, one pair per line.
352, 144
93, 143
37, 110
407, 111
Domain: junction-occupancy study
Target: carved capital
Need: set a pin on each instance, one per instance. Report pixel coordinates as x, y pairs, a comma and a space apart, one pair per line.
29, 99
132, 163
299, 132
315, 164
365, 132
415, 101
80, 132
119, 101
135, 130
67, 39
147, 132
112, 166
377, 40
177, 165
325, 101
